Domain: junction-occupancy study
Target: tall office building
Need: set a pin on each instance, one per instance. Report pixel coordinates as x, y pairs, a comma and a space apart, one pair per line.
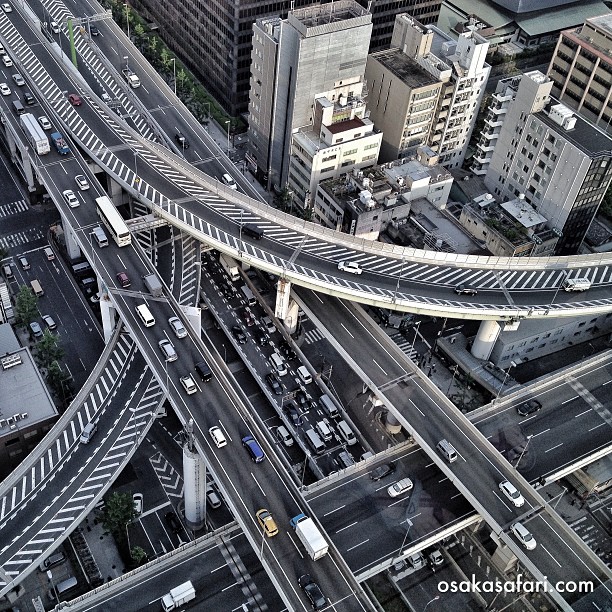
555, 160
581, 70
434, 86
307, 109
213, 37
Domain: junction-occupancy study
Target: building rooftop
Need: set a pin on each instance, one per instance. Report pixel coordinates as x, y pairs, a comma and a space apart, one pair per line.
523, 212
342, 126
584, 135
405, 68
326, 15
24, 399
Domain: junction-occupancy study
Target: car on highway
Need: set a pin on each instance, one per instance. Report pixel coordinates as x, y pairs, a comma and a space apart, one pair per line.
70, 198
94, 30
239, 334
19, 81
465, 290
218, 437
530, 407
75, 99
172, 520
168, 350
55, 27
294, 414
512, 493
5, 90
212, 497
287, 350
177, 327
82, 182
137, 500
36, 329
50, 323
400, 487
302, 400
382, 471
229, 181
261, 337
24, 263
7, 61
312, 591
349, 266
255, 451
6, 7
274, 383
266, 522
123, 279
45, 124
181, 140
188, 384
523, 535
249, 317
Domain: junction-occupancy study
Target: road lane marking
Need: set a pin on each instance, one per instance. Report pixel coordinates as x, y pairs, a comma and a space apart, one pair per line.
347, 526
553, 448
335, 510
546, 549
357, 545
571, 399
540, 433
381, 369
257, 483
597, 426
347, 331
585, 412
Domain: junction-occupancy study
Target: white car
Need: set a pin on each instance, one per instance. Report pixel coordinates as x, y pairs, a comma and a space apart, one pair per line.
217, 435
70, 198
138, 500
400, 487
7, 61
350, 266
48, 319
512, 493
6, 7
523, 535
82, 182
188, 384
45, 124
177, 327
19, 81
5, 90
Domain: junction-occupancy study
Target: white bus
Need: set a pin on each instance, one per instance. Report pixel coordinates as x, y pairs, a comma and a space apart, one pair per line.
113, 221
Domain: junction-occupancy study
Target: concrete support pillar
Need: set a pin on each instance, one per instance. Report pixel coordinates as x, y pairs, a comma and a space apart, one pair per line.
72, 247
115, 192
194, 475
291, 318
283, 295
109, 314
28, 173
484, 342
194, 316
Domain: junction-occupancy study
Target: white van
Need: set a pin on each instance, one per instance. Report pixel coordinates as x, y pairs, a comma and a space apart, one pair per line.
329, 407
304, 375
49, 254
347, 433
576, 284
229, 181
447, 450
284, 436
145, 315
315, 442
63, 587
88, 433
100, 237
278, 363
36, 288
324, 430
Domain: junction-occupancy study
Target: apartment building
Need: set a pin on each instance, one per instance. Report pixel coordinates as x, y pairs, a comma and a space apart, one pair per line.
434, 84
214, 38
307, 96
558, 160
581, 70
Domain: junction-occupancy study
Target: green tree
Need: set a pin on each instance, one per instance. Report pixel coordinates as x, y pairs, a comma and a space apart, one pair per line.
282, 200
165, 60
48, 349
182, 80
139, 555
138, 32
26, 306
118, 512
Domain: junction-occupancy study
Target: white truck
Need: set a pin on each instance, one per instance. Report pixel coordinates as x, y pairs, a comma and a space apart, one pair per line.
310, 536
230, 265
131, 77
36, 136
153, 284
178, 596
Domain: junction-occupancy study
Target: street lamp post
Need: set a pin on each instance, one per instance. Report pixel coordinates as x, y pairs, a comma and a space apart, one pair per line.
127, 61
430, 602
173, 60
512, 365
127, 17
228, 136
524, 451
398, 281
416, 329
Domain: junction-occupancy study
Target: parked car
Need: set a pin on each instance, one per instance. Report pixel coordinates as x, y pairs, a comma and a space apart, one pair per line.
36, 329
138, 502
173, 521
48, 319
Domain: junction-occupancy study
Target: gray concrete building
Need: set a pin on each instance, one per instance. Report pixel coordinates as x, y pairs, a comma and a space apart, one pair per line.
558, 160
434, 84
213, 37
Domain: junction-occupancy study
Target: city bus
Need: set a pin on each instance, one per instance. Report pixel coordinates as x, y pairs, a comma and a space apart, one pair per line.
113, 221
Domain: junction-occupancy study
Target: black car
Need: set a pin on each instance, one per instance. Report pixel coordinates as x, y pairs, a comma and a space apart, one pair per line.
181, 140
275, 384
239, 334
465, 290
294, 414
287, 351
312, 591
302, 400
529, 407
261, 336
173, 521
93, 29
382, 471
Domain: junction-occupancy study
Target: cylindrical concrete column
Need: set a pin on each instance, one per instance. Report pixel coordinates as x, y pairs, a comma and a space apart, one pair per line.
484, 342
194, 474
